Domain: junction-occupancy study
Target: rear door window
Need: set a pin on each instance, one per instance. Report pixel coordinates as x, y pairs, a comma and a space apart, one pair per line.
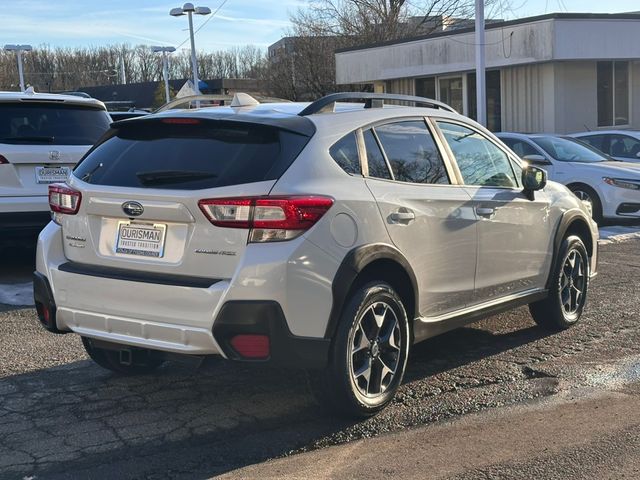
375, 159
412, 152
151, 154
51, 124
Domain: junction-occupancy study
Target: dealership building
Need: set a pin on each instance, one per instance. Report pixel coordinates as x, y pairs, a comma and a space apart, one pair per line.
560, 72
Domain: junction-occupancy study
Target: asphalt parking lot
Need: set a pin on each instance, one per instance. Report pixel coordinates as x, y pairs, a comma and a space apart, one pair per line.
61, 416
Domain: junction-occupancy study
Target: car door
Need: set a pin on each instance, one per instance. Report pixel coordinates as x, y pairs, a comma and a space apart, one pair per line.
514, 233
428, 218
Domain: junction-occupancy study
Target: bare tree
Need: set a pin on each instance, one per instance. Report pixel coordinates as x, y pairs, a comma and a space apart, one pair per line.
306, 69
59, 69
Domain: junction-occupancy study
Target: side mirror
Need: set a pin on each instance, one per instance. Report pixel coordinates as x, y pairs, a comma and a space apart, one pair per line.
535, 159
533, 178
638, 154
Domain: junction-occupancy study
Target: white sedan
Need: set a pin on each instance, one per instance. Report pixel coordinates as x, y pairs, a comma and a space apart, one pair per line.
622, 145
612, 187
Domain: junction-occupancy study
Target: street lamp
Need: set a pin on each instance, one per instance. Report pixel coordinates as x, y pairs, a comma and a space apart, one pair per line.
165, 67
19, 49
188, 9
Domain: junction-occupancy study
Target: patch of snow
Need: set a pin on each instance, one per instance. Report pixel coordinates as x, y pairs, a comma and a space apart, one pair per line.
618, 233
16, 294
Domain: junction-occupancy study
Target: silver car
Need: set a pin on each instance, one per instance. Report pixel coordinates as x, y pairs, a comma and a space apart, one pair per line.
327, 236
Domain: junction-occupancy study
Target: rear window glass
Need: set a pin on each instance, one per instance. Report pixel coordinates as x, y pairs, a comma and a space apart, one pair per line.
190, 157
51, 124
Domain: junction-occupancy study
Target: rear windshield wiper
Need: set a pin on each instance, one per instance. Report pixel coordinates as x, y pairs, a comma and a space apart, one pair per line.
29, 138
167, 177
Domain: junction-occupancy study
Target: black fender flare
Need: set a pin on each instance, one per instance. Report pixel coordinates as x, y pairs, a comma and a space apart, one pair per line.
565, 222
355, 262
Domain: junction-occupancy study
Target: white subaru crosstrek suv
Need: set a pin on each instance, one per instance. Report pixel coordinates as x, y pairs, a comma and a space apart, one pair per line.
327, 236
42, 137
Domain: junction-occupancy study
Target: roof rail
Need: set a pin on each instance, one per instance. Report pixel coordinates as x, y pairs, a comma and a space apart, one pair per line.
372, 100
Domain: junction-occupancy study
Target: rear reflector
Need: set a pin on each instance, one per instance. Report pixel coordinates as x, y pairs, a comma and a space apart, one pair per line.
3, 160
251, 346
271, 219
63, 199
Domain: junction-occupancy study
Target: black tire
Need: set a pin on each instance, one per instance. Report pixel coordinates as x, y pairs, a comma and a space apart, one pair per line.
585, 192
563, 307
359, 342
141, 362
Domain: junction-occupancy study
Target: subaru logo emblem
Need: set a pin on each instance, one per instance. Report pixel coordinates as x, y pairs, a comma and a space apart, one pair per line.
54, 155
132, 209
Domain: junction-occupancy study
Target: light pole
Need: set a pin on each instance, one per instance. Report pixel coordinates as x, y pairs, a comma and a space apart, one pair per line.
481, 79
188, 9
19, 49
165, 67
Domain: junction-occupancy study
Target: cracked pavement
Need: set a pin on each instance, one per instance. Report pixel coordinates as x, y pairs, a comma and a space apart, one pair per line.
61, 416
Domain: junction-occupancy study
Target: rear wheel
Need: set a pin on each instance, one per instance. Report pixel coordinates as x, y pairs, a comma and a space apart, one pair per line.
368, 356
568, 292
138, 361
588, 194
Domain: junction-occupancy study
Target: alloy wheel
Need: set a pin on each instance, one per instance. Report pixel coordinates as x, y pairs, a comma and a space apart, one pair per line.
375, 342
573, 282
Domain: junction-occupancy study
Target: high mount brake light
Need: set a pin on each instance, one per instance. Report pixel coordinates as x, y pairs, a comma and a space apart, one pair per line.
181, 121
63, 199
271, 219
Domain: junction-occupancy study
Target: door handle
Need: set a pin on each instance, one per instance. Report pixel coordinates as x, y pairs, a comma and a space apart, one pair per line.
402, 217
485, 211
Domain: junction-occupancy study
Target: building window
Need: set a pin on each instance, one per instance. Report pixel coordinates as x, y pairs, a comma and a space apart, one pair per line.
452, 92
494, 113
426, 87
613, 93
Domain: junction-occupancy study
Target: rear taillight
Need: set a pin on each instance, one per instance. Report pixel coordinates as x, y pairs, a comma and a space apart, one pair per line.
271, 219
3, 160
63, 199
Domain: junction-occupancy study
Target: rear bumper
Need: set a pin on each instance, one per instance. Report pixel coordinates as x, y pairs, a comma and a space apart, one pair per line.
264, 318
287, 300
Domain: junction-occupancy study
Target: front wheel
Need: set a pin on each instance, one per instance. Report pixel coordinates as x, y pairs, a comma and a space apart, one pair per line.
589, 195
568, 291
139, 361
368, 355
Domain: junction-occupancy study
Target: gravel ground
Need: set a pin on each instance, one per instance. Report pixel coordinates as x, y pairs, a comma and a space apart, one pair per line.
63, 417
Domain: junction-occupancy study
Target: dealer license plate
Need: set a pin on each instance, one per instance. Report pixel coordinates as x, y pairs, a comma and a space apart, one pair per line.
52, 174
144, 239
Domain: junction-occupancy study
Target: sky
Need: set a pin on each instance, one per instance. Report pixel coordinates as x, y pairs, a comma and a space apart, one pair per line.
72, 23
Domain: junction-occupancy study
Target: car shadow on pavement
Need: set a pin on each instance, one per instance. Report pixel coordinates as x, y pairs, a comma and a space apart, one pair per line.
78, 421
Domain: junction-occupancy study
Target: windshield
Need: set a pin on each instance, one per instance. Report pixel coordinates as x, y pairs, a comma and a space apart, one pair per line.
53, 124
569, 150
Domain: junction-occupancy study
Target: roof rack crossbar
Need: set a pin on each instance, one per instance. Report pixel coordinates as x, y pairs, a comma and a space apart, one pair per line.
371, 100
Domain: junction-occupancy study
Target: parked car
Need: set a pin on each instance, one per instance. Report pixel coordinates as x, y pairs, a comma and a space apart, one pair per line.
622, 145
42, 136
327, 236
611, 187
